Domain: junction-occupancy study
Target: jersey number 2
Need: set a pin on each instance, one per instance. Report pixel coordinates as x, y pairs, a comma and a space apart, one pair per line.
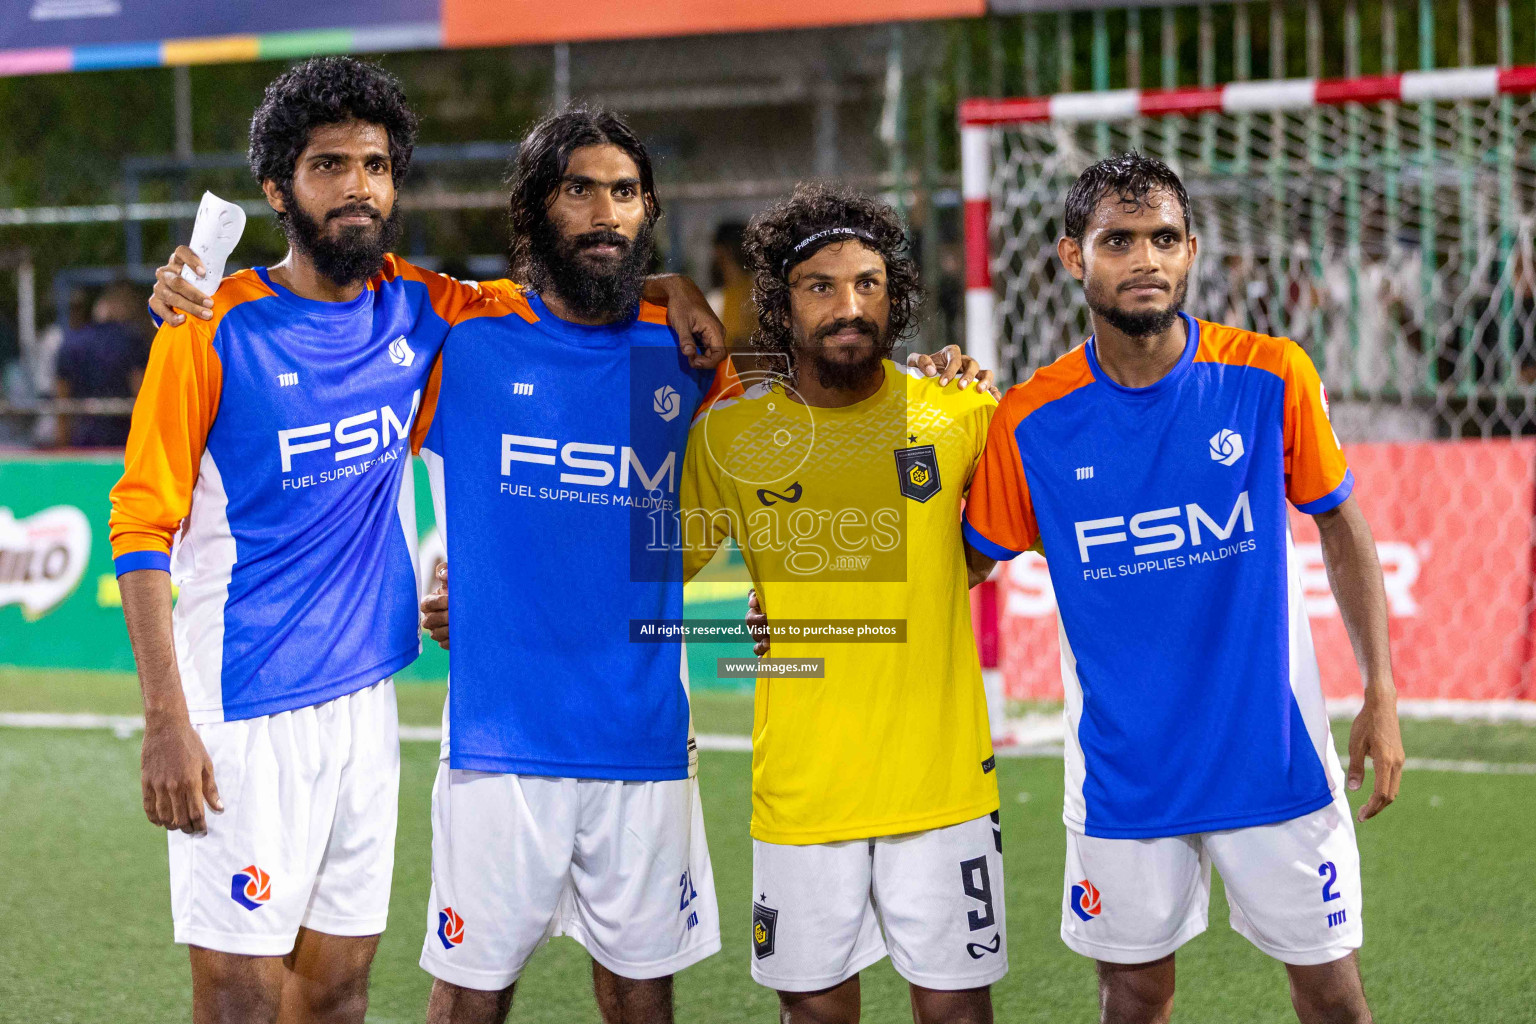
1327, 868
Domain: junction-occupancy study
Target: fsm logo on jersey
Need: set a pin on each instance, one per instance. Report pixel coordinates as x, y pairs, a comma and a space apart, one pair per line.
42, 558
250, 887
450, 927
1085, 900
352, 436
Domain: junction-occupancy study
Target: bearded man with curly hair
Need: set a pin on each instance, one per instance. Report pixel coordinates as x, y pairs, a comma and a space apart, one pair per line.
841, 476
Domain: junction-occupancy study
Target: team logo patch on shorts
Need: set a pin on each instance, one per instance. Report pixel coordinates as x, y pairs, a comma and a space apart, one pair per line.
764, 920
250, 887
918, 471
1086, 902
450, 927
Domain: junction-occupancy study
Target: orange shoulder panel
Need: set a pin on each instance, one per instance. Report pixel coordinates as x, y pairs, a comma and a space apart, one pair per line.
428, 409
727, 384
1236, 347
650, 313
449, 297
1046, 385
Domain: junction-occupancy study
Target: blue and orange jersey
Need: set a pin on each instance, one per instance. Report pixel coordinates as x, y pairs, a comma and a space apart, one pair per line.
554, 451
267, 469
1192, 691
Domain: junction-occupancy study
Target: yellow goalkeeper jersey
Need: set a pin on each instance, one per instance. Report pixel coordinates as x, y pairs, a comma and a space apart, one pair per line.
850, 518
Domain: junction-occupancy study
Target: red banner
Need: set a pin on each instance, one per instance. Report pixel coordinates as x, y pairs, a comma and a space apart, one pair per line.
1453, 523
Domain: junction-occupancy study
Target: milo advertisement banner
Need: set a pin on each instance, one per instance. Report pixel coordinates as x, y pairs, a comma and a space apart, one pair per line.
59, 602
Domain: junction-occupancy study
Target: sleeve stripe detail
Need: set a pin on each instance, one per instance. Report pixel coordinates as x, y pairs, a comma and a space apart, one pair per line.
994, 551
1333, 499
142, 560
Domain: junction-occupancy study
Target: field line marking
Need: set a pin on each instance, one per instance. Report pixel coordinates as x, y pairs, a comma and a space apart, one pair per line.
1031, 741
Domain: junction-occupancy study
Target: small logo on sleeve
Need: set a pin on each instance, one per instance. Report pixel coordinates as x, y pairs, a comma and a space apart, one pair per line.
400, 352
1226, 447
1085, 472
764, 923
988, 765
250, 887
522, 388
1085, 900
287, 380
450, 927
666, 403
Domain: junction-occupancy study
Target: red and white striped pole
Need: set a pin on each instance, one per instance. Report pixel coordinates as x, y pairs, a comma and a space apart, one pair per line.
1236, 97
975, 191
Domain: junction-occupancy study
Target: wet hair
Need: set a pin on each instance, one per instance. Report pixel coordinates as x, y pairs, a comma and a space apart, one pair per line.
793, 230
323, 91
542, 159
1130, 177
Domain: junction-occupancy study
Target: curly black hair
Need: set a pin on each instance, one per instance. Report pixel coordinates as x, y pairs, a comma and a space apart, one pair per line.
541, 161
1129, 176
322, 91
815, 207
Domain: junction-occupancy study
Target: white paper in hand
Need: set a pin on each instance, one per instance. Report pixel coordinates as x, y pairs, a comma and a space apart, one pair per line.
218, 227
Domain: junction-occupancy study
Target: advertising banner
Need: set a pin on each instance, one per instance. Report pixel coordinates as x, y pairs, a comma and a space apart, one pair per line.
1453, 524
482, 23
68, 23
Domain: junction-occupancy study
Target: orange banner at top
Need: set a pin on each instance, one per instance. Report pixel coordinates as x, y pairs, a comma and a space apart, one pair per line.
503, 22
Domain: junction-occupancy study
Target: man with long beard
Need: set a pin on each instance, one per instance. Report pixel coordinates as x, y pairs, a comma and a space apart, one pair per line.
567, 802
874, 800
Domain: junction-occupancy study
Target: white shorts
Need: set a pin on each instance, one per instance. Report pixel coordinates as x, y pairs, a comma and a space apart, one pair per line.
819, 911
1293, 889
307, 835
621, 867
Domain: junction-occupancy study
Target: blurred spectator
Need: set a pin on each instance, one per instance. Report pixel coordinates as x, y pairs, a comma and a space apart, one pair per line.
103, 359
46, 433
731, 285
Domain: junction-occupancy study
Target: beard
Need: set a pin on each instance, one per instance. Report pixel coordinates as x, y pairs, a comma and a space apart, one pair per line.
355, 254
593, 289
838, 374
1143, 323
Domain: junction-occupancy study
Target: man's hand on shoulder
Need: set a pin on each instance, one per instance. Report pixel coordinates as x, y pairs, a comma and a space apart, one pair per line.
700, 334
951, 365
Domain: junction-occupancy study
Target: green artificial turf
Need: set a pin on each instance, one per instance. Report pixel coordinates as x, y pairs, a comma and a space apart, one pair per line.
1450, 908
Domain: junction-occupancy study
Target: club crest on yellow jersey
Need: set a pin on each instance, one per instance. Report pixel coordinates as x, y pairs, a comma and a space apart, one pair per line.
918, 472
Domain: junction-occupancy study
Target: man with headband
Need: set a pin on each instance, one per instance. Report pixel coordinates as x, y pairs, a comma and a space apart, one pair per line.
874, 800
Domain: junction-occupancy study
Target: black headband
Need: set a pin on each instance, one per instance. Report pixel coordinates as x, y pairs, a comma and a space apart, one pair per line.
823, 236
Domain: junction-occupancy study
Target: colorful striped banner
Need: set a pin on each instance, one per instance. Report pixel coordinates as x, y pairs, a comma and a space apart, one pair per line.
221, 49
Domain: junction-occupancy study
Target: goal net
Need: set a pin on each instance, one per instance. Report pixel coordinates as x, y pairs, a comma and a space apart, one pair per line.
1385, 224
